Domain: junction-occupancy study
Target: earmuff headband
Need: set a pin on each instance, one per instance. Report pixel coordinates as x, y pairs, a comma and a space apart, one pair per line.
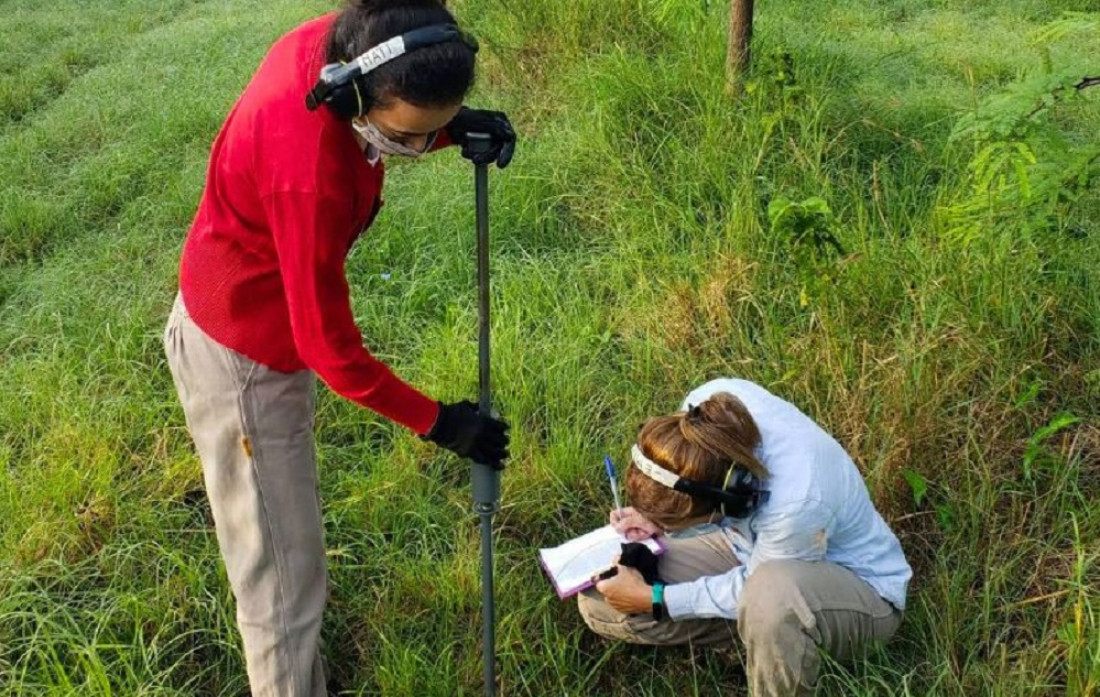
737, 501
673, 481
335, 75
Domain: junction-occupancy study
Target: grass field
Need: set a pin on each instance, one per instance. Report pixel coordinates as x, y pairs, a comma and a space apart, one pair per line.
952, 346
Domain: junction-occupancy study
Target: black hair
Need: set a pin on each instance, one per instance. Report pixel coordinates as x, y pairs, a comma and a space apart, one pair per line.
433, 76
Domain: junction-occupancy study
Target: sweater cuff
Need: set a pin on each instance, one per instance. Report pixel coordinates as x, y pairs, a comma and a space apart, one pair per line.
400, 402
431, 422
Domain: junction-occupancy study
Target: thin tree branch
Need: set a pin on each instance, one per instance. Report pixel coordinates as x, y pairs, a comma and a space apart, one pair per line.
1084, 83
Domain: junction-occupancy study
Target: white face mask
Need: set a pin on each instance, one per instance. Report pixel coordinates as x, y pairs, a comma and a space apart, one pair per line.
383, 144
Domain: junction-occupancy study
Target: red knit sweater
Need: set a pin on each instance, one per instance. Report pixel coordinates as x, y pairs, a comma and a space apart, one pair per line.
287, 192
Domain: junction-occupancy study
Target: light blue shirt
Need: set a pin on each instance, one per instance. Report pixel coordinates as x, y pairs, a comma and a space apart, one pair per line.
818, 509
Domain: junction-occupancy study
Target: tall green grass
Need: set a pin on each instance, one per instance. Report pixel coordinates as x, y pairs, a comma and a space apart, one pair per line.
633, 258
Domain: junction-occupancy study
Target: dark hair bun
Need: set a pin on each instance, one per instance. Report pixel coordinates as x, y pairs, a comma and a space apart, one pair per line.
432, 76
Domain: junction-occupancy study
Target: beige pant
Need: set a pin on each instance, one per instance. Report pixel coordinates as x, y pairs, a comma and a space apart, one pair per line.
789, 612
253, 429
686, 560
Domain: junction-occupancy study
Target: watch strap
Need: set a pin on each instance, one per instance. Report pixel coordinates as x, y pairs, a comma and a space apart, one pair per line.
658, 601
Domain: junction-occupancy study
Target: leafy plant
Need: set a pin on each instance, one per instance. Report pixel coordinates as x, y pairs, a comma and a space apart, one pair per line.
774, 71
1025, 164
809, 227
917, 483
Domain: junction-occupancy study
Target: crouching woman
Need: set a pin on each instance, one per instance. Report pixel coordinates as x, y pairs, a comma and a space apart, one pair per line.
770, 532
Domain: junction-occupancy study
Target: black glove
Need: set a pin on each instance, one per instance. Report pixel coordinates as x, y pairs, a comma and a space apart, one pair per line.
463, 430
642, 558
493, 123
637, 556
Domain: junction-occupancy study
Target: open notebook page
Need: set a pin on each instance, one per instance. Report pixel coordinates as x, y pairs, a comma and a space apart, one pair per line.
572, 565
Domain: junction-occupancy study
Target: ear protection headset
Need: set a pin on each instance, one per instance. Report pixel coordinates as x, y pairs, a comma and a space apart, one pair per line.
739, 496
338, 85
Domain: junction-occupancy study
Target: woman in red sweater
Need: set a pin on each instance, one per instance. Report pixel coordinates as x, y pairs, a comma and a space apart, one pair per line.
295, 176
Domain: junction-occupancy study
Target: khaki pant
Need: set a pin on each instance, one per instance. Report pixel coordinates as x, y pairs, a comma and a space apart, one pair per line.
789, 612
686, 560
253, 430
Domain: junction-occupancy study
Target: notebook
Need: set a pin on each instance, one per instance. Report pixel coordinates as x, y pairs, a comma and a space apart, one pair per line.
572, 565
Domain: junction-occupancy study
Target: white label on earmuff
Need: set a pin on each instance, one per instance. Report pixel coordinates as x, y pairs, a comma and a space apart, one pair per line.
382, 53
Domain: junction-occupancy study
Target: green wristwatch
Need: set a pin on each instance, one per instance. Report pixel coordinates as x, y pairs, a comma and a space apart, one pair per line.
658, 601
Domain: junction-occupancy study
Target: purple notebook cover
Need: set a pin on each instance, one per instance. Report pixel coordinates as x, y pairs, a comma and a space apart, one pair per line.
564, 593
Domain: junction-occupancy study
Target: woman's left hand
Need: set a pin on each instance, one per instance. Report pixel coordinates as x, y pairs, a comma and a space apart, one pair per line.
627, 591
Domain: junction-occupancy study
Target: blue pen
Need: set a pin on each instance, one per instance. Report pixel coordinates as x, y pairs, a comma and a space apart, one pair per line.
610, 467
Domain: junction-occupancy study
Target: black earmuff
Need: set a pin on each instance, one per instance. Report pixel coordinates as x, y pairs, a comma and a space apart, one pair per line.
738, 498
340, 85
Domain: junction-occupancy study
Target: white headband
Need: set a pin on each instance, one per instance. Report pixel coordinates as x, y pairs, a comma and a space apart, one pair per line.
651, 469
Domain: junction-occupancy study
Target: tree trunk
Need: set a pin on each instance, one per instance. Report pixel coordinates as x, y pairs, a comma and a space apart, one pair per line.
740, 36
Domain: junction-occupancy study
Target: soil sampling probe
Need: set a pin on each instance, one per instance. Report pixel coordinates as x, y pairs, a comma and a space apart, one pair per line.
485, 479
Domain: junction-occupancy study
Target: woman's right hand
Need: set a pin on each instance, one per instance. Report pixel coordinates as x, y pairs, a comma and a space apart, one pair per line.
465, 431
633, 525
